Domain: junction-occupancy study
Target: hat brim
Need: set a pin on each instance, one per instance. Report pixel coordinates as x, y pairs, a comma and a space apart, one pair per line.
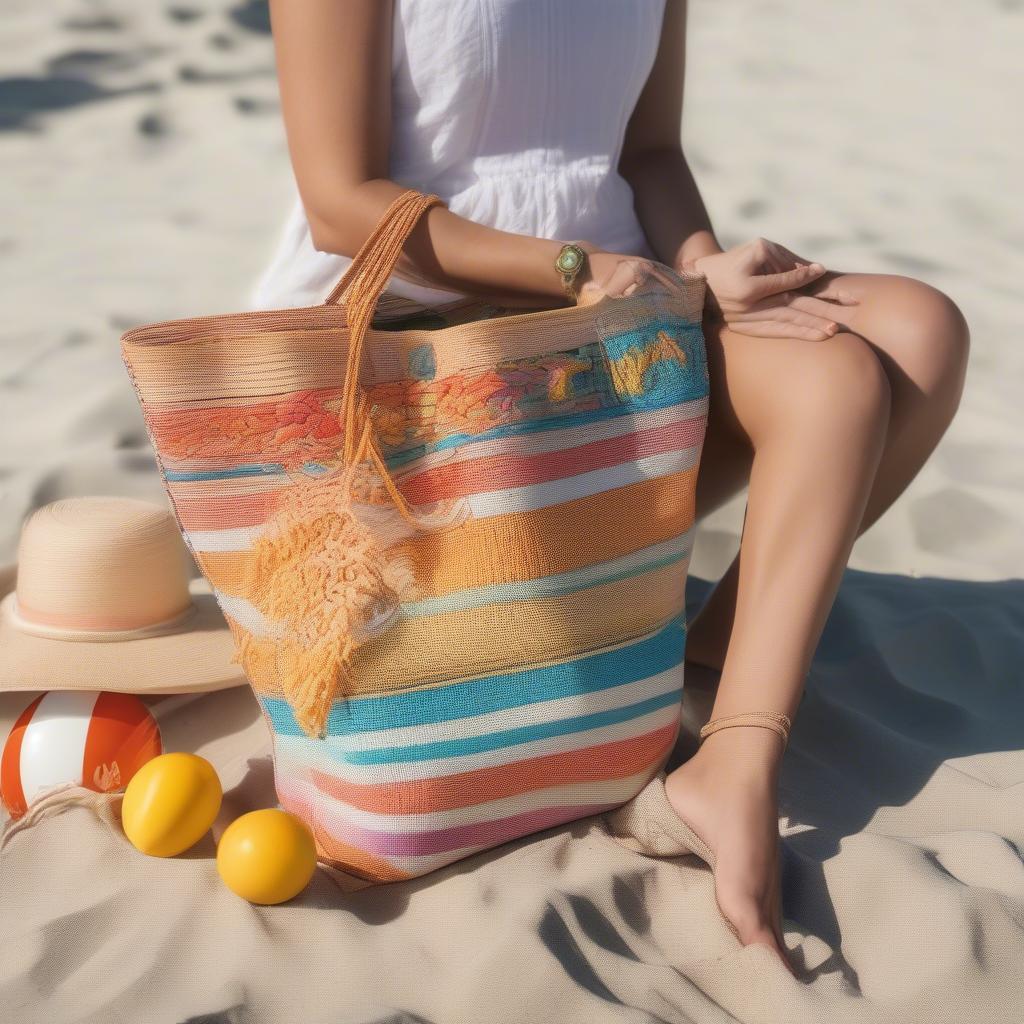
194, 660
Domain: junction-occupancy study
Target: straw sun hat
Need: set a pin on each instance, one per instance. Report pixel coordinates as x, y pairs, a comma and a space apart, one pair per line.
101, 600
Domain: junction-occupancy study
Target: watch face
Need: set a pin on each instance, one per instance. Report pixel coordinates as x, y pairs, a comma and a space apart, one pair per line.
568, 259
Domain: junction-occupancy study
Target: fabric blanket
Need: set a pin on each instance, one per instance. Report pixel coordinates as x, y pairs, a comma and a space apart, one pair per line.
902, 816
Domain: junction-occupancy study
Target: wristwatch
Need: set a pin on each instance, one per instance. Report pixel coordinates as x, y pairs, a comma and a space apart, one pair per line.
569, 263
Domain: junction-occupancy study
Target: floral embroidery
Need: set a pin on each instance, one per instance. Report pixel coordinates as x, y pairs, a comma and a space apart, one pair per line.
304, 428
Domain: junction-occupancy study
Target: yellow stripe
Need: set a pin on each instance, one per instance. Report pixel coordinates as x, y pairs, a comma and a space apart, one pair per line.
436, 649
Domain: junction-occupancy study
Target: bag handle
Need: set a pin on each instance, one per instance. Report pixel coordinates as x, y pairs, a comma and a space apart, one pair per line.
382, 248
358, 291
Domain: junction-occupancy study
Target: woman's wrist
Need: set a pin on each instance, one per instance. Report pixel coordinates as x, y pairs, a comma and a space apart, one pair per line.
696, 247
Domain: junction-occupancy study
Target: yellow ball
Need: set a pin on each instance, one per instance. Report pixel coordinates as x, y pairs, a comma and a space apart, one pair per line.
266, 856
170, 803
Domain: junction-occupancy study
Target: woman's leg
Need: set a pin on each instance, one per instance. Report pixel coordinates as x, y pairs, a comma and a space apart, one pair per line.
816, 417
921, 341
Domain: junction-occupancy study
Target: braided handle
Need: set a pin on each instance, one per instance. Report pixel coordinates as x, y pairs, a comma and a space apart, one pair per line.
375, 261
358, 291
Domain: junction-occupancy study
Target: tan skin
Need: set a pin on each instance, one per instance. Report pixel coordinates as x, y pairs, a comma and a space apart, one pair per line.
829, 391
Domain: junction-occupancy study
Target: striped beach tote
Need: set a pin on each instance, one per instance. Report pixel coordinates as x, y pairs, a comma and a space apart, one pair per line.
452, 560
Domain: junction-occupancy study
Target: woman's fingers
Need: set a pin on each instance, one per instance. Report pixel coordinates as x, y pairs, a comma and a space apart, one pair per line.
668, 277
631, 273
763, 285
778, 329
626, 276
818, 307
830, 290
790, 314
779, 258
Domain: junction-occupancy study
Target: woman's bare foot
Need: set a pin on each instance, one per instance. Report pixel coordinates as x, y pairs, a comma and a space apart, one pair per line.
726, 793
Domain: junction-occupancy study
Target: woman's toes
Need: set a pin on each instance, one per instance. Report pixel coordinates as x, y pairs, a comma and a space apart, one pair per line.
743, 912
752, 927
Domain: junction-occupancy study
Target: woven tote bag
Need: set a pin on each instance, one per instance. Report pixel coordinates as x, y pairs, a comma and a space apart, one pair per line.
452, 560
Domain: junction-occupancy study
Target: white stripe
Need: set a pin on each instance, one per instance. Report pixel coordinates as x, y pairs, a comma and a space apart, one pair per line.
297, 753
53, 747
335, 815
247, 615
583, 485
387, 526
496, 721
501, 502
239, 538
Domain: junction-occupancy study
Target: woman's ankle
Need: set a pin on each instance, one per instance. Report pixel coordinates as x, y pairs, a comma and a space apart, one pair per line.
747, 754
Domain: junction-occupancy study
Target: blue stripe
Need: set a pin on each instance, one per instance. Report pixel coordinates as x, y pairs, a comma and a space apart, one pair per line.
533, 426
246, 469
588, 674
505, 738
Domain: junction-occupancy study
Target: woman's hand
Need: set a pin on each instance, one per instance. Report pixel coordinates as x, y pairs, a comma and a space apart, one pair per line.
755, 289
616, 275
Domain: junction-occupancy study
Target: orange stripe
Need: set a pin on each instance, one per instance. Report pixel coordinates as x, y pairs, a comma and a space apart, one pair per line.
523, 545
615, 760
10, 763
205, 512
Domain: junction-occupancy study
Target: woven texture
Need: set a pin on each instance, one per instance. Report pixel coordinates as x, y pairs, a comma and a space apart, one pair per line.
453, 560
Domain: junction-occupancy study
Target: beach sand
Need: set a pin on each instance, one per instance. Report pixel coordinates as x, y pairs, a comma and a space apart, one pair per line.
146, 177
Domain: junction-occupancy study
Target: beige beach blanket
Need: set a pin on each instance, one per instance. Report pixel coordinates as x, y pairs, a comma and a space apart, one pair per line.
903, 825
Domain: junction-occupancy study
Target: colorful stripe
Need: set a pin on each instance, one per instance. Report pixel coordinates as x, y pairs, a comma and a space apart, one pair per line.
534, 671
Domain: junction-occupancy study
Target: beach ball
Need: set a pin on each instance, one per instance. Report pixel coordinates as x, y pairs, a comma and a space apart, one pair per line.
171, 804
266, 856
97, 740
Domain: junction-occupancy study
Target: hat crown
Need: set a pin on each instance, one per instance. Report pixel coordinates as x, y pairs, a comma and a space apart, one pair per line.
98, 563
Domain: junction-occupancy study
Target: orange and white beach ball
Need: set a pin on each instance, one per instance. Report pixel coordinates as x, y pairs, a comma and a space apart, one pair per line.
97, 740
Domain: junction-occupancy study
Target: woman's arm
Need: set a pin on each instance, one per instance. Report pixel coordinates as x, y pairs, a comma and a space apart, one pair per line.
756, 287
334, 73
667, 201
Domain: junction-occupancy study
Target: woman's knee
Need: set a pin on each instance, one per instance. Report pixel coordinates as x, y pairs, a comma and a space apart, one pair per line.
919, 328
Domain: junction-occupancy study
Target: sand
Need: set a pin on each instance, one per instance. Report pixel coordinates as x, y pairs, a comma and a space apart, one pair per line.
146, 177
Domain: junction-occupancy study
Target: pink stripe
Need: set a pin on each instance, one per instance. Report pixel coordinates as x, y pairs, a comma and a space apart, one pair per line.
495, 472
92, 621
489, 833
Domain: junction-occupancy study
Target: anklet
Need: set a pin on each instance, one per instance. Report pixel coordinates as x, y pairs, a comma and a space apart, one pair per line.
774, 720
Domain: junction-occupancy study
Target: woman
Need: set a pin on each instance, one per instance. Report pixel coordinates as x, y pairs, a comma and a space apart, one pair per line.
543, 122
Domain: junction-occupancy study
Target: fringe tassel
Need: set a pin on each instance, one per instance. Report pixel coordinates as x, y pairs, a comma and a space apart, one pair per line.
319, 574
